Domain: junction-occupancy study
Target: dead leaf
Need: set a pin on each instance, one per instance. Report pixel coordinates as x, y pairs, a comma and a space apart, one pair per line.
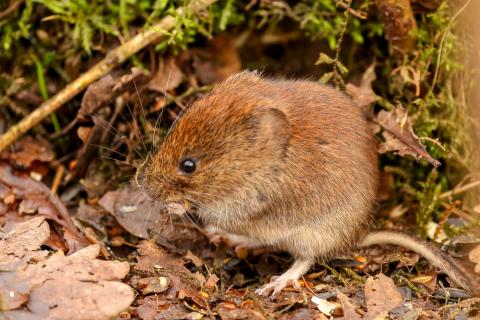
145, 219
37, 198
84, 133
105, 90
56, 286
134, 211
348, 308
326, 307
381, 296
304, 314
399, 135
167, 77
363, 95
154, 284
218, 61
27, 150
185, 285
230, 311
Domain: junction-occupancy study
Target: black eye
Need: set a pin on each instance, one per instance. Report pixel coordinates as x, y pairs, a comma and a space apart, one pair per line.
188, 165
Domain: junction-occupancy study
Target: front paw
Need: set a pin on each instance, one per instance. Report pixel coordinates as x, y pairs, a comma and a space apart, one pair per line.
276, 285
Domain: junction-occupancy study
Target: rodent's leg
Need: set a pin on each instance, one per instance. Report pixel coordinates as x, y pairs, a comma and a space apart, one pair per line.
232, 240
288, 278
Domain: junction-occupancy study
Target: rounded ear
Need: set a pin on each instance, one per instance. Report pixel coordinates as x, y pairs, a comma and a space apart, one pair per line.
270, 128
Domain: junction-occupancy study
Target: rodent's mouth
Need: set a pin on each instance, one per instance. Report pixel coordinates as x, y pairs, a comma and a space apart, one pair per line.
178, 207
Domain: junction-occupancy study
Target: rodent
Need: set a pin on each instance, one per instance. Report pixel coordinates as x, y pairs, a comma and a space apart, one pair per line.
290, 164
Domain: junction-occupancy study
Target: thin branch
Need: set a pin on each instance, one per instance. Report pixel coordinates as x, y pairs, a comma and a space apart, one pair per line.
111, 60
459, 190
11, 9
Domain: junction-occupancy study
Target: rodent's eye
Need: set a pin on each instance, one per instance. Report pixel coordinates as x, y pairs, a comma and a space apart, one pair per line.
188, 165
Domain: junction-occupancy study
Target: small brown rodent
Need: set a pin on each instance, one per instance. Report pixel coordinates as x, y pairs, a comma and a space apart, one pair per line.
289, 164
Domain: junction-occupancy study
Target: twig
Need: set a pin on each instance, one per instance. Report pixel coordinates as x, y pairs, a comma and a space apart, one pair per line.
442, 42
459, 190
57, 179
111, 60
338, 79
11, 9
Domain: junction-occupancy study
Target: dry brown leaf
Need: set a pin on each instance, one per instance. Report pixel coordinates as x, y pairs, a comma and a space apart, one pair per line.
57, 286
364, 95
37, 198
145, 219
218, 61
105, 90
134, 211
185, 285
399, 136
27, 150
230, 311
381, 296
167, 77
349, 312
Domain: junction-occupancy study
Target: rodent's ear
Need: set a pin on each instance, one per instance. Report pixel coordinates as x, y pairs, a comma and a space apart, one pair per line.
271, 127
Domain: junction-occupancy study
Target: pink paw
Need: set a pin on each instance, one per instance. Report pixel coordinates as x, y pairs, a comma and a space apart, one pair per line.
276, 285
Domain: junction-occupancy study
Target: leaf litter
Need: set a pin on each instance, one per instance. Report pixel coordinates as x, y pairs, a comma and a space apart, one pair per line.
36, 283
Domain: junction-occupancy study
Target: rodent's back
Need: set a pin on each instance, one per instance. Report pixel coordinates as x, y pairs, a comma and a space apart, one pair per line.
326, 187
289, 163
332, 160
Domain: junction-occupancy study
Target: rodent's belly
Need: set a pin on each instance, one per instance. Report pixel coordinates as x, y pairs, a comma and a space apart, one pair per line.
313, 235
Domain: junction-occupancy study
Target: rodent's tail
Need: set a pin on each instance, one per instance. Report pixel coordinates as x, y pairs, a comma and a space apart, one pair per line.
431, 253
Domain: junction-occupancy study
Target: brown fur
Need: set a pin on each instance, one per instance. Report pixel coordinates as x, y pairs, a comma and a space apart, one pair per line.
290, 164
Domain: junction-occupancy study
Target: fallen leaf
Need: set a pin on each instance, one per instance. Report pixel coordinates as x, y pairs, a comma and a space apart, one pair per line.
37, 198
154, 284
326, 307
146, 219
84, 133
216, 62
105, 90
363, 95
27, 150
155, 261
304, 314
134, 211
348, 308
381, 296
167, 77
229, 311
55, 286
399, 135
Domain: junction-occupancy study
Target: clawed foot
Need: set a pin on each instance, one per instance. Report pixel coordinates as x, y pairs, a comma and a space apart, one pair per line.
289, 278
276, 285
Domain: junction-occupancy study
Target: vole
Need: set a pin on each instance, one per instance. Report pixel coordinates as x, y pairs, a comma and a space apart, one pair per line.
289, 164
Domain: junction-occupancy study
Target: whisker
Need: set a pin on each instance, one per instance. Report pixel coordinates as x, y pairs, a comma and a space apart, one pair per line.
142, 109
109, 149
163, 109
118, 160
120, 135
136, 130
